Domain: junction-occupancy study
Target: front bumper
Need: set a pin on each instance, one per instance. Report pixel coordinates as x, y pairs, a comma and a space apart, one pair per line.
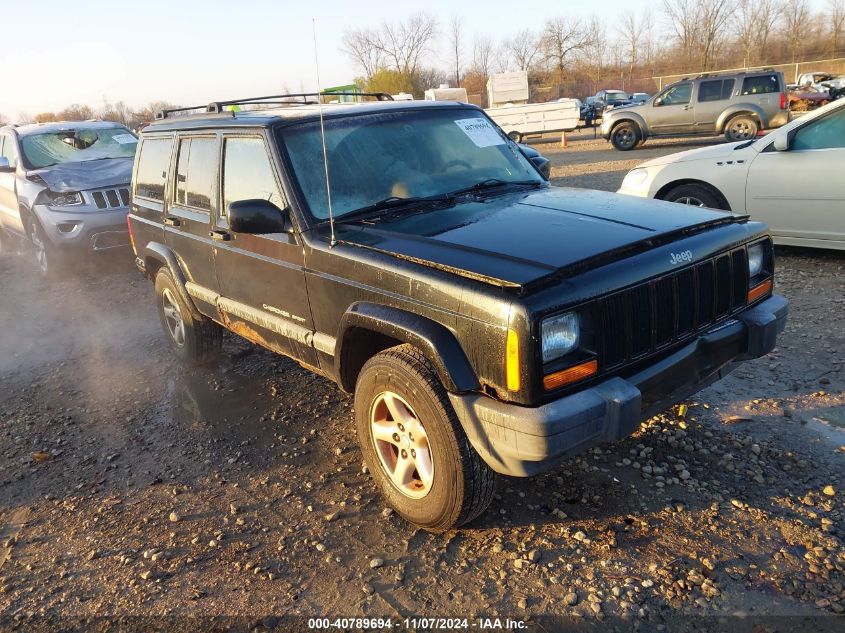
90, 231
524, 441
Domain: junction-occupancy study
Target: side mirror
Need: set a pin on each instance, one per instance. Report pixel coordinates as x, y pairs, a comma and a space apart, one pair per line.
4, 165
658, 102
539, 161
781, 143
257, 217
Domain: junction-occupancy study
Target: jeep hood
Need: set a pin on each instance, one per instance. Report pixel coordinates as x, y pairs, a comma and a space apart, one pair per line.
519, 238
89, 174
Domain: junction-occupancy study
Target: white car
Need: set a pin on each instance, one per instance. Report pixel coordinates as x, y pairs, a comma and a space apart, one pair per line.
793, 179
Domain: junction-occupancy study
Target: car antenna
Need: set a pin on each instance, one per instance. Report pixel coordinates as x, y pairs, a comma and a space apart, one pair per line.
332, 241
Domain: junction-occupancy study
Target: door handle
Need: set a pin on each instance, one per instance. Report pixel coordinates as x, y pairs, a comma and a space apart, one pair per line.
686, 107
222, 236
173, 221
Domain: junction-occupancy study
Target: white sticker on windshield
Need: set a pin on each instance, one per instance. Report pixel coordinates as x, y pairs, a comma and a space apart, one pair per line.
480, 132
124, 139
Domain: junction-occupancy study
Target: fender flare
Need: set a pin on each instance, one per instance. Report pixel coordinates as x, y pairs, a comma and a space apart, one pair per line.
634, 118
435, 341
741, 109
159, 252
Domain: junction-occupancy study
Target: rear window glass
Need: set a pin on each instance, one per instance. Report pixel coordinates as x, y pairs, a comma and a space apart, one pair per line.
764, 84
715, 90
196, 172
152, 168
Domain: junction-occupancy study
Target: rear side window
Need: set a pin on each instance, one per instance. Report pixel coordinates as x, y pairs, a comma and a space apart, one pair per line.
196, 172
715, 90
764, 84
153, 163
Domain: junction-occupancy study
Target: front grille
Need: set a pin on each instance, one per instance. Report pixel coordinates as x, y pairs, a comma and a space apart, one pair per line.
647, 318
111, 198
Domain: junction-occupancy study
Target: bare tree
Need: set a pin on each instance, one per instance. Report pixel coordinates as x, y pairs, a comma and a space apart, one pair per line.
523, 49
648, 41
593, 57
404, 43
769, 13
360, 45
482, 54
560, 39
836, 20
796, 22
683, 20
630, 31
456, 32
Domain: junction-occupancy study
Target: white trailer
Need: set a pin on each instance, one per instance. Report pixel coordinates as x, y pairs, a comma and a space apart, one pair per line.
519, 121
445, 93
511, 87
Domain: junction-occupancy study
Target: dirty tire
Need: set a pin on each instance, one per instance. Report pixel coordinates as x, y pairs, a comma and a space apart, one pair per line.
200, 340
625, 136
515, 136
741, 128
695, 195
463, 485
51, 262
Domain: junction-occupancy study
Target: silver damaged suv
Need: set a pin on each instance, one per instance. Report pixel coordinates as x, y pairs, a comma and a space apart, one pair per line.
65, 188
737, 105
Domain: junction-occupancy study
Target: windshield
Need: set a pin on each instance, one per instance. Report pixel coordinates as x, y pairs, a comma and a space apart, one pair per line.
616, 96
77, 145
411, 154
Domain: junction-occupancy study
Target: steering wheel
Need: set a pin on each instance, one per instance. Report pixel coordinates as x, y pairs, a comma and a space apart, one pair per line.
456, 163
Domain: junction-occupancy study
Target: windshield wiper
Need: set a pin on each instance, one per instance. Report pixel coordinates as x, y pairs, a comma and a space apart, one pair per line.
492, 183
393, 202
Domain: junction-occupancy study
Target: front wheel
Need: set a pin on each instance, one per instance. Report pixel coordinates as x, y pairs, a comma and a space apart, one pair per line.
414, 445
695, 196
741, 128
625, 136
194, 340
51, 262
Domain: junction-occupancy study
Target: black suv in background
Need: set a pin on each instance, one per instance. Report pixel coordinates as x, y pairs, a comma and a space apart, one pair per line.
485, 321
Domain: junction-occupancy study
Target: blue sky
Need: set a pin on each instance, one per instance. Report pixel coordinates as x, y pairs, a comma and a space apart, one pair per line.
56, 52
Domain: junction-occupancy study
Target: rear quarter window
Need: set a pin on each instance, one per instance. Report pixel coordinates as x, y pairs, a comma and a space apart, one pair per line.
153, 163
763, 84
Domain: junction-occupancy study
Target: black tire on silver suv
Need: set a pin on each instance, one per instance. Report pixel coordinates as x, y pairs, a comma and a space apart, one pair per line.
414, 445
741, 128
194, 341
51, 262
625, 136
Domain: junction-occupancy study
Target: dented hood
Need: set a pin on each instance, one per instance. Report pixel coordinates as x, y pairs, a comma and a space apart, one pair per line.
518, 238
89, 174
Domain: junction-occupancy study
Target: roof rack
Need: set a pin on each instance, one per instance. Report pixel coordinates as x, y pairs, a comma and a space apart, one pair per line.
218, 107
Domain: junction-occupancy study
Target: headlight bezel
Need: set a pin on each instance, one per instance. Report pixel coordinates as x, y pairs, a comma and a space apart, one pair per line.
66, 199
566, 327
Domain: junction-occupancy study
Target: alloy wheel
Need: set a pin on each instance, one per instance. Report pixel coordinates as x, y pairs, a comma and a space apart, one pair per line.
402, 445
39, 247
173, 317
691, 201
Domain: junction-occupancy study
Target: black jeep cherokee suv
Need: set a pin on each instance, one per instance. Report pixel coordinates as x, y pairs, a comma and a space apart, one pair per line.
486, 321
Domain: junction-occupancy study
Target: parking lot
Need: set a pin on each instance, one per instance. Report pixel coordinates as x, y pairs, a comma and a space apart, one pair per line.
130, 486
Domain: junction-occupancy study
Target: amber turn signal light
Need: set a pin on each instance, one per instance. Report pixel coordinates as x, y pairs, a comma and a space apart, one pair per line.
570, 375
760, 290
512, 361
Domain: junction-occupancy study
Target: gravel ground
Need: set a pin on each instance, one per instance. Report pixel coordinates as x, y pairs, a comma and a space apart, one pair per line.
130, 486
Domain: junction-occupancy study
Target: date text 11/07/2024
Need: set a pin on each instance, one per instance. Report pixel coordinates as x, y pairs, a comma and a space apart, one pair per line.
413, 624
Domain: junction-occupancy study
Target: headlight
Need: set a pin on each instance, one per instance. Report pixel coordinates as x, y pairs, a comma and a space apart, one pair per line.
560, 335
755, 260
66, 199
635, 178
